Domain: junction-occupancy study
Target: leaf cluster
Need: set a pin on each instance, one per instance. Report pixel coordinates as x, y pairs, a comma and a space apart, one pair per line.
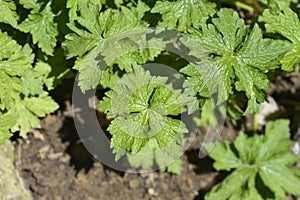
230, 59
30, 66
259, 165
107, 42
22, 95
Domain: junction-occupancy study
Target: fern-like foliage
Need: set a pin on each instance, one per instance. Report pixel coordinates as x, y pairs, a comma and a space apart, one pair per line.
22, 95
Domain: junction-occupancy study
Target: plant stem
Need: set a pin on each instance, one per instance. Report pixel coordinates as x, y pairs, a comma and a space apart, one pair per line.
244, 6
255, 123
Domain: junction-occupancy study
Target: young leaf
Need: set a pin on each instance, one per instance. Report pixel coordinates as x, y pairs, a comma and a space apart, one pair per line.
262, 157
143, 106
235, 187
28, 110
107, 40
15, 61
240, 54
100, 26
151, 154
287, 24
280, 3
280, 179
8, 12
183, 14
22, 96
42, 27
175, 167
75, 5
225, 158
275, 145
6, 123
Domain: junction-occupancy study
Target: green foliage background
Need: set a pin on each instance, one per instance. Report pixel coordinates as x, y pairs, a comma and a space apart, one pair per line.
45, 41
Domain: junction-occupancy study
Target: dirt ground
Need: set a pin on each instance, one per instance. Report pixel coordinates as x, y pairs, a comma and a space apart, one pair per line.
55, 165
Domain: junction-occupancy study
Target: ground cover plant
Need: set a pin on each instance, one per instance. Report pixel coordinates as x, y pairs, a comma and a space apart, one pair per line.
224, 55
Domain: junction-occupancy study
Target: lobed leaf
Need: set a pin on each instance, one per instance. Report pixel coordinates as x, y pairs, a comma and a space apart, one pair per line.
144, 106
241, 56
287, 24
22, 95
111, 37
183, 14
234, 187
8, 13
262, 157
7, 121
28, 110
42, 28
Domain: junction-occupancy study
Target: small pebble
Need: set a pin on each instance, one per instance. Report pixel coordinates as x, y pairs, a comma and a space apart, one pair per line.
151, 191
133, 184
54, 156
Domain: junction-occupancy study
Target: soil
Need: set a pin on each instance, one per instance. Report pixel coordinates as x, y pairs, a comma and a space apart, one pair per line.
56, 166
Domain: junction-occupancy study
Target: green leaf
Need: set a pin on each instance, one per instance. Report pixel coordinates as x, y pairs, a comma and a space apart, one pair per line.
287, 24
9, 46
6, 122
105, 104
22, 95
261, 156
261, 53
99, 27
224, 156
31, 84
43, 71
10, 88
151, 154
89, 71
209, 115
280, 179
234, 187
242, 145
28, 110
175, 167
143, 105
82, 41
169, 157
183, 14
4, 136
253, 82
8, 12
42, 28
197, 80
31, 4
40, 106
280, 3
17, 63
240, 55
219, 39
127, 135
74, 6
25, 120
292, 58
113, 37
207, 79
276, 140
146, 157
